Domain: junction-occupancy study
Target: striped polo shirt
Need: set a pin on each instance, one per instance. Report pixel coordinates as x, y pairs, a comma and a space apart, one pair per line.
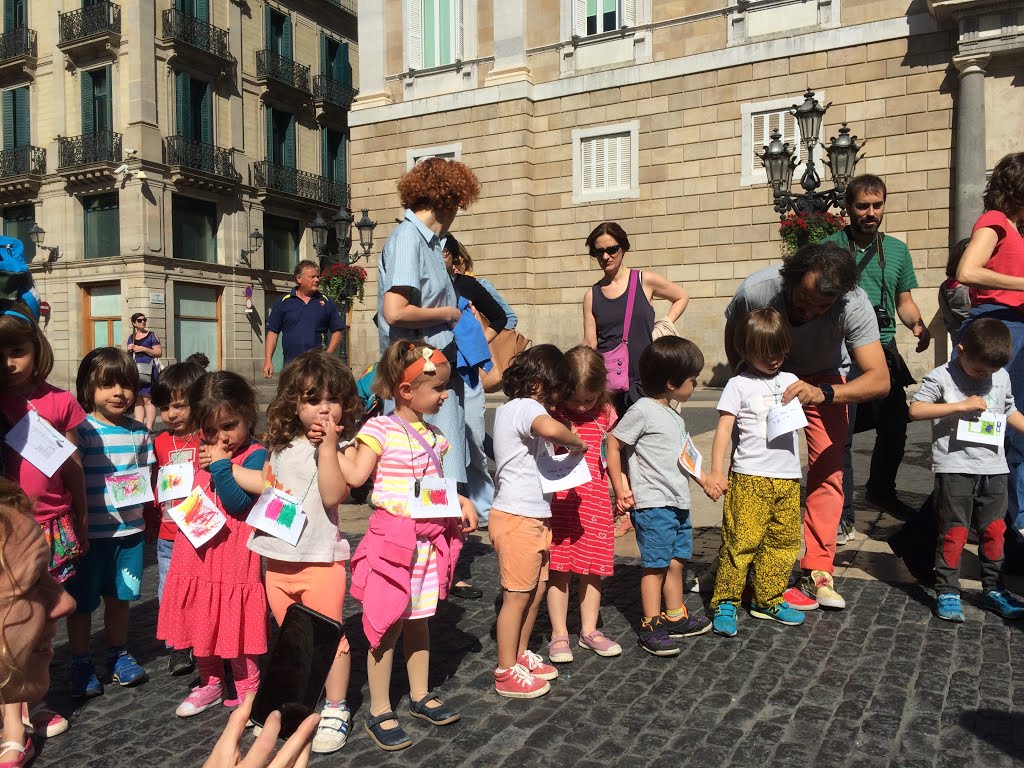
107, 449
401, 457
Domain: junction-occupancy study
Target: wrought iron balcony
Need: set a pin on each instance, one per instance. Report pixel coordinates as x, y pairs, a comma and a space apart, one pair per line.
19, 44
88, 149
22, 161
180, 26
329, 91
100, 19
308, 186
273, 66
199, 156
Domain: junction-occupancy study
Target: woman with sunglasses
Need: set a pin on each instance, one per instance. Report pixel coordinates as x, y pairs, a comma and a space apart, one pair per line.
144, 347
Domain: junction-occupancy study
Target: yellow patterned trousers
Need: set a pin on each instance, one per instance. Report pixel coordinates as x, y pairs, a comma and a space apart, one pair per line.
760, 527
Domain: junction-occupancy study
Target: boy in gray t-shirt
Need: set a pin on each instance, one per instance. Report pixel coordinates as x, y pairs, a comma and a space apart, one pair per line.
970, 405
652, 435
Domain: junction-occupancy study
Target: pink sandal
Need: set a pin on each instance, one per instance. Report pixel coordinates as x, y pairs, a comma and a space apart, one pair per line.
599, 644
564, 653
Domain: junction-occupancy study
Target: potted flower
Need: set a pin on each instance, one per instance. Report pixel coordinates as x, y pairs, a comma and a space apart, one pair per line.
342, 282
797, 230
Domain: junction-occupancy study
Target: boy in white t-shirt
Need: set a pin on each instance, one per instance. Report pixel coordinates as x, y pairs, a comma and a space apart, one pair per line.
761, 514
519, 525
971, 474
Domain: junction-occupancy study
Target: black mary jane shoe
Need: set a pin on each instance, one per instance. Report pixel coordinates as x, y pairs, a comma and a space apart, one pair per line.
391, 739
442, 714
466, 592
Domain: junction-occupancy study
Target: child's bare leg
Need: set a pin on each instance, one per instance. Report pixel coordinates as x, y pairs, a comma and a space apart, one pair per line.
378, 674
509, 625
558, 601
673, 588
651, 584
14, 728
590, 602
115, 621
336, 686
531, 617
416, 644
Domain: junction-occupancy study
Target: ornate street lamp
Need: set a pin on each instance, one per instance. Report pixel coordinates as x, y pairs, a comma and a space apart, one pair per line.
342, 223
318, 228
780, 161
255, 241
366, 225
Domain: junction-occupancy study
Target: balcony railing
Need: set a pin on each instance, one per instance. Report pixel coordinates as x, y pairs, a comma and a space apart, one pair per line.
22, 161
178, 25
200, 156
20, 42
100, 147
333, 91
98, 19
276, 67
301, 184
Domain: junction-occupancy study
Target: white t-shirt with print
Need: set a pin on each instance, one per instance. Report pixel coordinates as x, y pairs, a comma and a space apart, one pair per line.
749, 397
517, 479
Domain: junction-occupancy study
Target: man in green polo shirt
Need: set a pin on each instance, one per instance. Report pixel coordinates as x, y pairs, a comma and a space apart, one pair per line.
888, 290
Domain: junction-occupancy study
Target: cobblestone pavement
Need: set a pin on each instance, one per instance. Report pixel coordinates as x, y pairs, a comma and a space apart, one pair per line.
879, 684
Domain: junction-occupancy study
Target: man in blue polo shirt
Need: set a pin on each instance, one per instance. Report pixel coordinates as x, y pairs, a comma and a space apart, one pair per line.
306, 318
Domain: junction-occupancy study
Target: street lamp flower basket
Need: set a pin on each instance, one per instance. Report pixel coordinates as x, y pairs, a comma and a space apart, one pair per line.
342, 282
797, 230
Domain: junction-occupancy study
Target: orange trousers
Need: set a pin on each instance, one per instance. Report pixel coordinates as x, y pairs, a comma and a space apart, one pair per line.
320, 586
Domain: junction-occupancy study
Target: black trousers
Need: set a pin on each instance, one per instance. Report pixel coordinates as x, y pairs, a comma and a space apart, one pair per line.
959, 499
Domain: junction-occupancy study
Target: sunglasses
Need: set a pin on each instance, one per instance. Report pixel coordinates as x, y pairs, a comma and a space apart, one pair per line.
611, 250
141, 320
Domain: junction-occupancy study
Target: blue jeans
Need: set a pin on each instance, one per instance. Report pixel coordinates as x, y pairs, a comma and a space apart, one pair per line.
1014, 321
479, 485
164, 548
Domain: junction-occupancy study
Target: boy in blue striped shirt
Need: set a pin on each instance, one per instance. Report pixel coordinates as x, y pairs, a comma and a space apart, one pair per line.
117, 453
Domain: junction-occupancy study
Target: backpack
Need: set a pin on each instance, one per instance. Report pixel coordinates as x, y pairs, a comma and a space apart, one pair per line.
16, 284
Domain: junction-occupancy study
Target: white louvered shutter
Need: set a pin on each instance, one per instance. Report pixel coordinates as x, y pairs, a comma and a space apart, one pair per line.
628, 13
415, 16
460, 36
763, 123
579, 17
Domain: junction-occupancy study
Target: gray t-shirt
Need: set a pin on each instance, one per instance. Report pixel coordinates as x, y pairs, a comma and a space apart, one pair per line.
655, 434
817, 346
949, 384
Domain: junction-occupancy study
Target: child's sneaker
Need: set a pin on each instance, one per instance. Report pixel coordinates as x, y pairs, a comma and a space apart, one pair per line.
517, 683
724, 622
653, 638
600, 644
84, 683
686, 625
798, 599
45, 721
125, 669
1004, 603
201, 699
781, 613
822, 587
948, 608
332, 733
535, 665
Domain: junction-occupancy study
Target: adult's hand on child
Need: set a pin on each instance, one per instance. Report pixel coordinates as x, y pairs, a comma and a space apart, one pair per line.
227, 752
807, 394
973, 406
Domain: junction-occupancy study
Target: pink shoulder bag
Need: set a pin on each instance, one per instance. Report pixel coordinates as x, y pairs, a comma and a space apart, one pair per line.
616, 361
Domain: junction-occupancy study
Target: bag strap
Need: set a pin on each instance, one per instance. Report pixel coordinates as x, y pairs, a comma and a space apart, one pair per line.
633, 280
421, 440
869, 253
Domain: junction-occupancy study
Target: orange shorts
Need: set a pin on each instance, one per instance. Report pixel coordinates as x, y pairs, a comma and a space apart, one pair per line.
320, 586
522, 545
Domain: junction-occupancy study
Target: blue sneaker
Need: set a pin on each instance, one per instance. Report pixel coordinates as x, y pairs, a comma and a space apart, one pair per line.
125, 669
724, 621
84, 683
781, 613
1004, 603
948, 608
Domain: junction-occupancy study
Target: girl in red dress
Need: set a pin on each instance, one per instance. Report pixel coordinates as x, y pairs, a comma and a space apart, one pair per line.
583, 539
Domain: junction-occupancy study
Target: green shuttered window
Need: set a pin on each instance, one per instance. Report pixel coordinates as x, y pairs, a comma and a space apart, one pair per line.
102, 226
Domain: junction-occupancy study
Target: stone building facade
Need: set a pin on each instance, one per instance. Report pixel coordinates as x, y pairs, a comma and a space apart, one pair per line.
650, 112
149, 139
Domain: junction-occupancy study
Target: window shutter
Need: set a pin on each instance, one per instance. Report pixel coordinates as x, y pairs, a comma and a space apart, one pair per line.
289, 143
8, 118
106, 102
22, 128
10, 21
415, 8
269, 111
325, 154
325, 59
342, 161
88, 113
183, 103
459, 35
286, 38
205, 112
268, 27
628, 13
579, 17
201, 10
344, 65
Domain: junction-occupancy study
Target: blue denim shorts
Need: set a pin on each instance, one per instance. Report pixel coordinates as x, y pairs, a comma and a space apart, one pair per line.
111, 568
662, 533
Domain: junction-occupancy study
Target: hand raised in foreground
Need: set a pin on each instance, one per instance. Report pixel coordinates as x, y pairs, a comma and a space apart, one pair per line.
294, 754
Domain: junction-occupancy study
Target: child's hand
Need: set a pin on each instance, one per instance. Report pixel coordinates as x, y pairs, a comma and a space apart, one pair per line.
204, 459
469, 515
328, 430
625, 502
714, 485
973, 406
214, 452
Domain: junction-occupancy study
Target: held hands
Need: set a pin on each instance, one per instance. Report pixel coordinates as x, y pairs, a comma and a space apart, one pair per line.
624, 501
807, 394
227, 752
973, 406
714, 485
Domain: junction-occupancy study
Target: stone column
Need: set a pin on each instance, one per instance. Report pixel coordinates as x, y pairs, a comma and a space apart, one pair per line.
373, 91
509, 43
970, 142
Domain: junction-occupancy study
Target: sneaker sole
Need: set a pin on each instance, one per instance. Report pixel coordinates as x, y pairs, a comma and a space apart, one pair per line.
324, 749
723, 633
524, 694
606, 652
758, 614
560, 658
197, 710
545, 676
426, 719
387, 748
131, 683
696, 633
834, 605
951, 619
665, 653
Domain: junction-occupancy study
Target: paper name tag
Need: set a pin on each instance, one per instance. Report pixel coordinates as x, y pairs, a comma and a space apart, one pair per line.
174, 481
278, 513
128, 488
783, 419
433, 497
198, 517
560, 472
690, 458
35, 439
988, 429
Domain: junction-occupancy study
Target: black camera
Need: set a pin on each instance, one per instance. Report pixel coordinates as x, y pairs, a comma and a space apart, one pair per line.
883, 317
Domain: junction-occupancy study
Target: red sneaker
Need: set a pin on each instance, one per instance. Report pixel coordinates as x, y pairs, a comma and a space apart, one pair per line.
534, 664
799, 600
516, 683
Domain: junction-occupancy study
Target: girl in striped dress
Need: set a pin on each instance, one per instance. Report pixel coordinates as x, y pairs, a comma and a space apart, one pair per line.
404, 565
583, 540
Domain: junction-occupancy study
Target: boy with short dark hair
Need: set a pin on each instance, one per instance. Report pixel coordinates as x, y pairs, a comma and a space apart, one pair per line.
658, 493
970, 404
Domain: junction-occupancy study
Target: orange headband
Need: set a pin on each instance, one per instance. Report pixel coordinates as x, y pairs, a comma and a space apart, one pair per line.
431, 358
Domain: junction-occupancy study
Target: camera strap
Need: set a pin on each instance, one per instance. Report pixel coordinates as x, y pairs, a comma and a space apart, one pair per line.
869, 253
